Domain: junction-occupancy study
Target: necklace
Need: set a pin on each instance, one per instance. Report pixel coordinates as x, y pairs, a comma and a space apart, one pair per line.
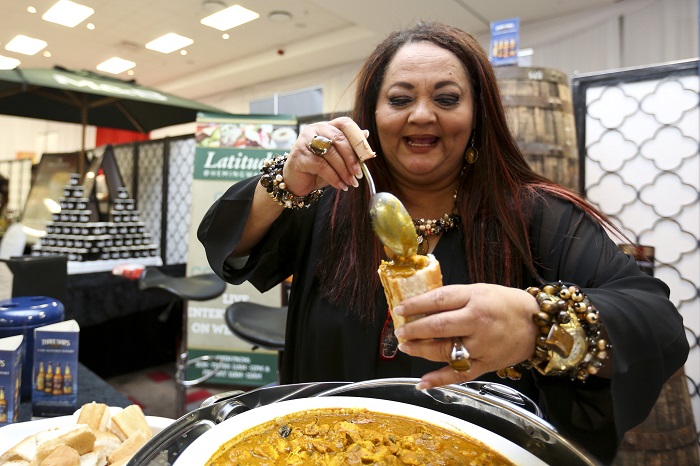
437, 227
430, 227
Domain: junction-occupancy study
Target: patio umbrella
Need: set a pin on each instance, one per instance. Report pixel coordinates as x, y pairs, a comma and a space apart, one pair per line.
88, 98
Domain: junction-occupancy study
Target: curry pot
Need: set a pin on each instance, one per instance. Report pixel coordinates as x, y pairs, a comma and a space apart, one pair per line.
495, 407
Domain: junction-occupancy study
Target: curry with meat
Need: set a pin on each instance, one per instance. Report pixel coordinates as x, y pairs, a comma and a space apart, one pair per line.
349, 436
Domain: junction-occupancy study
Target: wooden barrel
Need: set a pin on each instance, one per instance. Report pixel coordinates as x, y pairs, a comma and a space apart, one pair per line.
668, 435
540, 115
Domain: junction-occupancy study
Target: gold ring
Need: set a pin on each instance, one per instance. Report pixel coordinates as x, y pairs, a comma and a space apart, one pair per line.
459, 356
319, 145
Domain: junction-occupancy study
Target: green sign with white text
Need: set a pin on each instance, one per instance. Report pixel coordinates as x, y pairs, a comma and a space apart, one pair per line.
229, 149
227, 164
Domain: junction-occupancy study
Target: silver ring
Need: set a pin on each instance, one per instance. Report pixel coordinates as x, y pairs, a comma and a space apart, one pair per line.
459, 356
319, 145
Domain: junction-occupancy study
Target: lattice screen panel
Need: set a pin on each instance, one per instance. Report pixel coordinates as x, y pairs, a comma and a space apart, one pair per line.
179, 199
156, 170
639, 133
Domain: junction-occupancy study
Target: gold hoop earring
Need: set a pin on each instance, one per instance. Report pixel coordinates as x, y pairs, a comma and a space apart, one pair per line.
471, 155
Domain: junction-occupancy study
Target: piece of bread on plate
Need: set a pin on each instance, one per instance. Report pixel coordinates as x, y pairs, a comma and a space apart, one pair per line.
62, 455
23, 451
129, 447
95, 415
107, 441
407, 277
128, 421
97, 457
79, 437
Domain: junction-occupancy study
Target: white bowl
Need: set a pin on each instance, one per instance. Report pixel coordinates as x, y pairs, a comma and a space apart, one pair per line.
202, 449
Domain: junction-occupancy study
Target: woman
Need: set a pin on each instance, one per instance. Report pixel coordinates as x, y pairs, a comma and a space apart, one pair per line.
429, 100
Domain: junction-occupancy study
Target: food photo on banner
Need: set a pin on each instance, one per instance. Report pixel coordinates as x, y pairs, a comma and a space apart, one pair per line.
229, 149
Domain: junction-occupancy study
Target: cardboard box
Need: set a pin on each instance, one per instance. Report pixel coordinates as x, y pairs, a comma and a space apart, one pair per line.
55, 374
11, 349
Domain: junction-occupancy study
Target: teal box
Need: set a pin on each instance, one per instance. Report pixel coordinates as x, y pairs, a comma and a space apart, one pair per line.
55, 372
11, 349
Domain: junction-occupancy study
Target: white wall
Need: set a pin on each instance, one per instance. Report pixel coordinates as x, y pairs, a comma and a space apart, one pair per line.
40, 136
627, 34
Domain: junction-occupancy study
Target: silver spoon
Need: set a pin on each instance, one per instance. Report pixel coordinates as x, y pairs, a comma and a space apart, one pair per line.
390, 220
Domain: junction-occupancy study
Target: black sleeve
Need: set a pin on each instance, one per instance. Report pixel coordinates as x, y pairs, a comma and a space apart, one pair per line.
643, 326
221, 229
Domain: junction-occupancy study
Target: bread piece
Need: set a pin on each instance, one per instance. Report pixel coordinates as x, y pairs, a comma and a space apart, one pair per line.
95, 415
107, 441
79, 437
23, 451
407, 278
129, 447
96, 457
128, 421
62, 455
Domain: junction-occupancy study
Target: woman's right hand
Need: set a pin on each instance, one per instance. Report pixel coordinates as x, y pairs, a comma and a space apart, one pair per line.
339, 167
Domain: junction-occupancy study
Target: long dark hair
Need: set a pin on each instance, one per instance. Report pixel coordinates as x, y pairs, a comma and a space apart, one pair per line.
495, 193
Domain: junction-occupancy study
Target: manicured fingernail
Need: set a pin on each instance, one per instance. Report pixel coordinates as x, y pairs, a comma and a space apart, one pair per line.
402, 347
398, 310
422, 386
358, 172
399, 332
354, 182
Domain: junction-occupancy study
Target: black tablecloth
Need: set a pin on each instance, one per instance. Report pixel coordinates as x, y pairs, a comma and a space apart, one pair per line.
90, 388
95, 298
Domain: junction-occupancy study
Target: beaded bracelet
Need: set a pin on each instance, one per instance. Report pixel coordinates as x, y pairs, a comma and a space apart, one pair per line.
570, 341
273, 181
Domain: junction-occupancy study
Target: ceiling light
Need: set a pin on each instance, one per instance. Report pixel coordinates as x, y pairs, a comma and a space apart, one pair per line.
67, 13
90, 26
31, 9
279, 16
25, 45
225, 36
169, 43
116, 65
230, 17
47, 54
8, 63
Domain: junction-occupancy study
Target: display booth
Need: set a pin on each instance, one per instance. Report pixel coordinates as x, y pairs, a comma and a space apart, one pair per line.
638, 139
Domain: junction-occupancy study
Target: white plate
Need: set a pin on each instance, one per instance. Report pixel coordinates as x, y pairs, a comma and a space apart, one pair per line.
206, 445
12, 434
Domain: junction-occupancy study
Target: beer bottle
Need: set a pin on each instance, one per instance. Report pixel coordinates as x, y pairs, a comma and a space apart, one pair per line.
58, 380
40, 377
67, 381
48, 379
3, 406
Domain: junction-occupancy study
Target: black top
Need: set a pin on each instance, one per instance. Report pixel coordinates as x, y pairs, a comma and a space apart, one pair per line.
324, 343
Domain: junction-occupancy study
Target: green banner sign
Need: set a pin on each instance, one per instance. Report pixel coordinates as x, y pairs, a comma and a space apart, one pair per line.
227, 164
229, 148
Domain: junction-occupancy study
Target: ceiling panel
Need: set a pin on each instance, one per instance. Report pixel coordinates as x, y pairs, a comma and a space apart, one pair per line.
321, 33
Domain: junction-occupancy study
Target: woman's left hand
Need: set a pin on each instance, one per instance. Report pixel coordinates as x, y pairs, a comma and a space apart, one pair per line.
494, 322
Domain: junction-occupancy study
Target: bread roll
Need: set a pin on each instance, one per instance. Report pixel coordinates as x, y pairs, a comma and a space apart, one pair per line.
79, 437
62, 455
23, 451
408, 277
128, 421
129, 447
95, 415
